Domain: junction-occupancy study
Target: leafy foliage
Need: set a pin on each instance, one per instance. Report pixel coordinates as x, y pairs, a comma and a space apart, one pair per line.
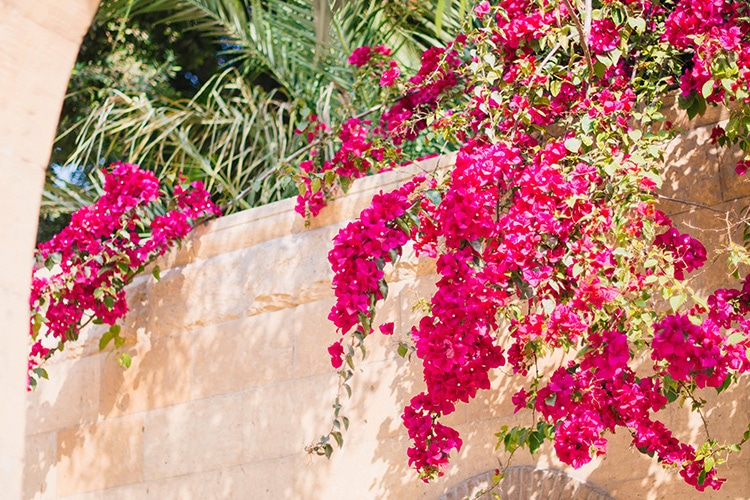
263, 69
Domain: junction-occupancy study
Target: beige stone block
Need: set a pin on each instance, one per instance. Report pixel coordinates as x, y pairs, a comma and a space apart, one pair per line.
164, 313
99, 456
69, 398
711, 229
282, 419
21, 208
297, 476
197, 295
312, 333
308, 276
496, 402
230, 483
210, 295
229, 233
40, 473
410, 266
380, 391
373, 469
159, 376
690, 173
362, 470
378, 346
36, 65
238, 355
193, 437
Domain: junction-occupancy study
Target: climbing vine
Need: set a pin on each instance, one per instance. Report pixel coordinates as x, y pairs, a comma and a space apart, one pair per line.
546, 231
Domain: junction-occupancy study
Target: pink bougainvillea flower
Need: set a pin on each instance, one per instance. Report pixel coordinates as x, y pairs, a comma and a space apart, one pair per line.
387, 328
390, 75
360, 56
336, 350
482, 9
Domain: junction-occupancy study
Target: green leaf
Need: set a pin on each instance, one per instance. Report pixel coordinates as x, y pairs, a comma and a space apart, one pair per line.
735, 338
548, 305
41, 372
393, 255
622, 251
402, 350
109, 302
113, 332
707, 88
123, 267
156, 272
577, 269
434, 196
676, 301
536, 439
554, 87
698, 107
383, 287
125, 360
638, 24
599, 69
339, 438
724, 385
439, 10
573, 144
635, 135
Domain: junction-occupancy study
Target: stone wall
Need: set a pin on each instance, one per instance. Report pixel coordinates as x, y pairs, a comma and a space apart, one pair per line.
231, 378
39, 42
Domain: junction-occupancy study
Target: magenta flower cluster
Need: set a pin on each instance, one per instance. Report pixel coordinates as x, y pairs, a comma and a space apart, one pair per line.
546, 231
100, 251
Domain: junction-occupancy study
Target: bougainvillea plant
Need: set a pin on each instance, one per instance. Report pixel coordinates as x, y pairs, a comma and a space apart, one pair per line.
546, 231
83, 271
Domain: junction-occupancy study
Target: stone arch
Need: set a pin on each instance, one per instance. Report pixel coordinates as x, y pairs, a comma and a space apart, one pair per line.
527, 482
40, 42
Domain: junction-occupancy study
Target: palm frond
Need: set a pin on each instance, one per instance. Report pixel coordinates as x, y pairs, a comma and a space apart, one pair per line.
231, 135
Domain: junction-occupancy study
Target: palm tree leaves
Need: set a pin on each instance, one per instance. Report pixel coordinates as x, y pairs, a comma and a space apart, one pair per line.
230, 134
233, 134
